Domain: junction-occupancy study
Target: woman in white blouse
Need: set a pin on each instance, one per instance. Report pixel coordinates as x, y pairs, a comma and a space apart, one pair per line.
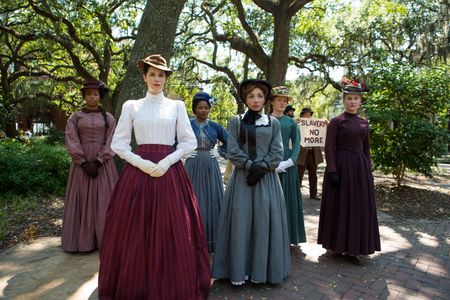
153, 245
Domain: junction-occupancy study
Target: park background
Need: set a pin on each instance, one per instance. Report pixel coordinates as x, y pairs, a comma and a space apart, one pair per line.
399, 48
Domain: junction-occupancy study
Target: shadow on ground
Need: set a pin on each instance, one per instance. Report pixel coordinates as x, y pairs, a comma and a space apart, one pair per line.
414, 264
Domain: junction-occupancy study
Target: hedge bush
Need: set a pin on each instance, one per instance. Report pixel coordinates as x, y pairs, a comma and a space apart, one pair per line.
33, 167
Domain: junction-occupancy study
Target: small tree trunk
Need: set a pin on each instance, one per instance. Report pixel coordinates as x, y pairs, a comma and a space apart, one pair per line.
399, 174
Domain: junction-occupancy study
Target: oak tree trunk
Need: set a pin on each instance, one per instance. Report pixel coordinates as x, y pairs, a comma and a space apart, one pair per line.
156, 35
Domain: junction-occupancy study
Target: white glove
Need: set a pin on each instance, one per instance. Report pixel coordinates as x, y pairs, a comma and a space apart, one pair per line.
214, 153
162, 167
144, 165
288, 163
284, 165
193, 154
280, 170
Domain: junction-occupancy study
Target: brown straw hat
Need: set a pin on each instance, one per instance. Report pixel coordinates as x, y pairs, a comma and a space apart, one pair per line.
154, 60
281, 91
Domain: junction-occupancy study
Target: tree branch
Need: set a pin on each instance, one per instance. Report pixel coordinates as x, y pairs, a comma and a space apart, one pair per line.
59, 97
257, 55
25, 37
297, 5
335, 84
319, 90
268, 5
248, 29
319, 58
222, 69
13, 77
71, 30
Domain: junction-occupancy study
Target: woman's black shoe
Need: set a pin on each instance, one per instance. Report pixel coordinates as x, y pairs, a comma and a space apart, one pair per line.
353, 259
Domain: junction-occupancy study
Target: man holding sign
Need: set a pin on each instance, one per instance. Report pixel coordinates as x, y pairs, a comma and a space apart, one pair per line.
312, 132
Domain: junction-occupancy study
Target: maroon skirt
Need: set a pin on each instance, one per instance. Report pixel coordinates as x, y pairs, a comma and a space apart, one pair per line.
348, 220
153, 245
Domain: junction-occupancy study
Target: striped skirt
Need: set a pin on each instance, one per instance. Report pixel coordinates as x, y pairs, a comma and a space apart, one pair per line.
154, 245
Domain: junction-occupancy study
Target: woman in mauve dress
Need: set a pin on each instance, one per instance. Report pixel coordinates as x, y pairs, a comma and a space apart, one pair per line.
92, 173
154, 246
202, 166
348, 224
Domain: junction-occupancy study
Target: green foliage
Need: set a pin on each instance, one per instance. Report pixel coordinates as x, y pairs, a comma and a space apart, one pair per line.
33, 167
225, 107
54, 137
50, 47
222, 110
311, 91
3, 224
407, 112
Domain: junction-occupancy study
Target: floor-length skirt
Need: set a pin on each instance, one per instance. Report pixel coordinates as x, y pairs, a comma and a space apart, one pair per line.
85, 204
154, 245
204, 172
252, 238
294, 205
348, 216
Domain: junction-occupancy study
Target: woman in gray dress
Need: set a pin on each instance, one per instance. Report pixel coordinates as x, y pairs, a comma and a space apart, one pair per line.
252, 239
202, 166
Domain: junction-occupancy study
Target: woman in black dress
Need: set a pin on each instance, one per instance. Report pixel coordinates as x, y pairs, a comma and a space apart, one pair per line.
348, 224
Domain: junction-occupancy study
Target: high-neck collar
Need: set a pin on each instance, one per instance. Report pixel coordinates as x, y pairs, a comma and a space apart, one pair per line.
350, 114
89, 111
157, 97
251, 116
200, 122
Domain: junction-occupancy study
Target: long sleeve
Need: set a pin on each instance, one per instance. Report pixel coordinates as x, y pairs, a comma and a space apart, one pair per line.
222, 136
234, 152
330, 145
121, 140
185, 136
72, 140
295, 138
105, 152
275, 154
366, 146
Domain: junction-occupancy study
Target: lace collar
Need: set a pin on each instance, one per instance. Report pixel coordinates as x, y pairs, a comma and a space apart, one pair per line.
263, 121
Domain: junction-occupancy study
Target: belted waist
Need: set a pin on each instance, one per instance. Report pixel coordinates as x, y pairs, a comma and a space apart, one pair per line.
350, 149
154, 148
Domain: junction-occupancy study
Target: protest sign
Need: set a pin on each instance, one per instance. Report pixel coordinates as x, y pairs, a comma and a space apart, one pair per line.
312, 132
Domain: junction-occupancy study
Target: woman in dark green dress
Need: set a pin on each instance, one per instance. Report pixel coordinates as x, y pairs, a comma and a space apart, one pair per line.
287, 169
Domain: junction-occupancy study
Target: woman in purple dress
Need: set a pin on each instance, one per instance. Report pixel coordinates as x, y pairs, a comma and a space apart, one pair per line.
154, 245
92, 173
348, 224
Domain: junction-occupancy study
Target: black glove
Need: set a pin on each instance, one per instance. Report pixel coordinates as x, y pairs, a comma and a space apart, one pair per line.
98, 163
333, 177
256, 172
91, 168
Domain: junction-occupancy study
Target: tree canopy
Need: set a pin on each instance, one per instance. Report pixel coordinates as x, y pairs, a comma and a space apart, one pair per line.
49, 47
